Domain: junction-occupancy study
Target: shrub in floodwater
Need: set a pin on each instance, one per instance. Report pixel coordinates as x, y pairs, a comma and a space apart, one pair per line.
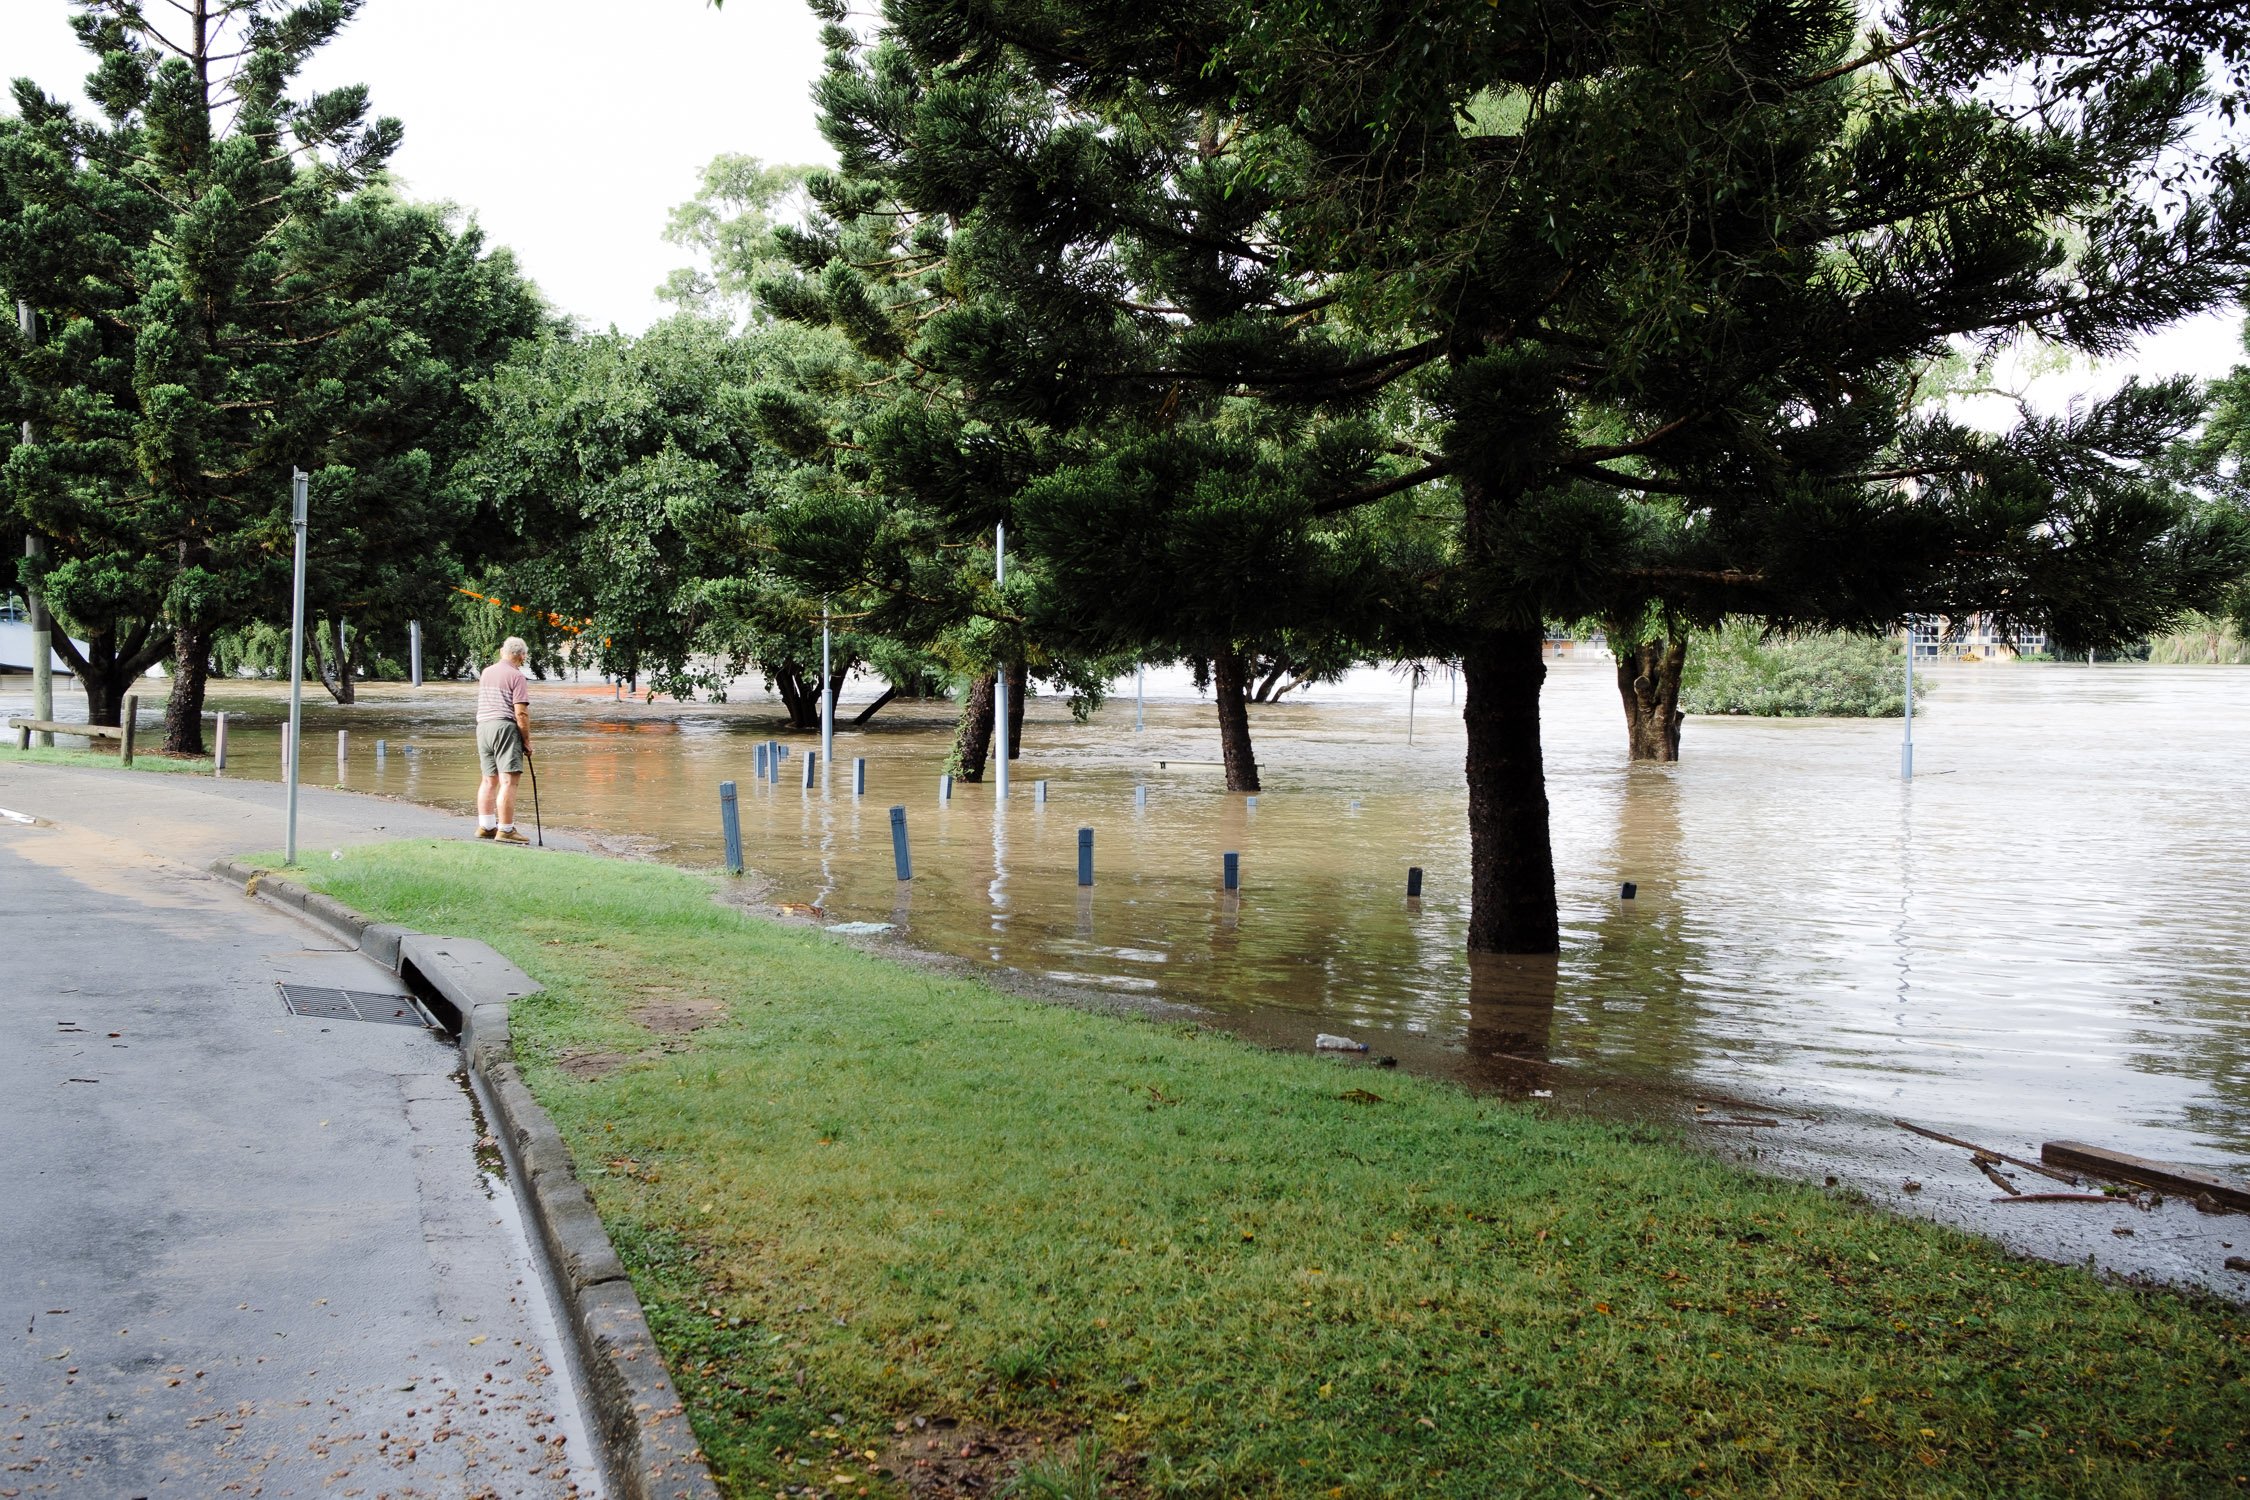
1740, 669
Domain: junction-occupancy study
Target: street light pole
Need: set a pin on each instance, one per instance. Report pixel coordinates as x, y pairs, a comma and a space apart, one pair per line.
42, 625
1000, 668
298, 483
827, 699
1906, 748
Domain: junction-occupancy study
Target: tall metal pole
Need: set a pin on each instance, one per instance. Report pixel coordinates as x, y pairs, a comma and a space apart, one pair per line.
1906, 749
1000, 669
827, 697
42, 627
414, 652
297, 496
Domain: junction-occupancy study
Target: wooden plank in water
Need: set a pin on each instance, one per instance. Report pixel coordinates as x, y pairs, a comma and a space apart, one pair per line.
2120, 1166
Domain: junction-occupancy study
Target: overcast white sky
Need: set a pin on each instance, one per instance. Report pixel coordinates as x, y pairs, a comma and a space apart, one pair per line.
571, 127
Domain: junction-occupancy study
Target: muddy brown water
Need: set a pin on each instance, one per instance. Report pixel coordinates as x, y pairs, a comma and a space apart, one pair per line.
2044, 935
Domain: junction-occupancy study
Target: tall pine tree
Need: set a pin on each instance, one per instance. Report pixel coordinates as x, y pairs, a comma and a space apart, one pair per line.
1697, 252
222, 299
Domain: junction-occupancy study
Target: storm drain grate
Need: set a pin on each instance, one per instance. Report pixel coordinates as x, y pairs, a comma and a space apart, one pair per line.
351, 1005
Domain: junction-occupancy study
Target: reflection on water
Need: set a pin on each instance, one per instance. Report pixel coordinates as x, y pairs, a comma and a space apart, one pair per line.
2044, 934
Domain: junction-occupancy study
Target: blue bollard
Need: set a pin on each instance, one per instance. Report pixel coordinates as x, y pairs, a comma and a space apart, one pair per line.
812, 760
1085, 856
1039, 794
1628, 891
1233, 871
859, 776
1250, 804
1413, 882
761, 774
945, 789
1140, 795
730, 823
898, 844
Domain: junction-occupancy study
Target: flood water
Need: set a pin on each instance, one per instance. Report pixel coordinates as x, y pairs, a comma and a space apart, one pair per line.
2043, 935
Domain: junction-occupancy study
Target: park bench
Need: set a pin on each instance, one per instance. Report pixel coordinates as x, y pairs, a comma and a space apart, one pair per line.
25, 728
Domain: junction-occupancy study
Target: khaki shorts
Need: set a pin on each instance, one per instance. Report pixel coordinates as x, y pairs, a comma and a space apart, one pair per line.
499, 747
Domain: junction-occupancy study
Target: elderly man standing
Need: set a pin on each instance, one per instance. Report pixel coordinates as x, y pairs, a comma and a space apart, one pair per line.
503, 741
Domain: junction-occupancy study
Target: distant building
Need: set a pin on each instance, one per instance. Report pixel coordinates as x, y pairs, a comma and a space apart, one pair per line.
1973, 638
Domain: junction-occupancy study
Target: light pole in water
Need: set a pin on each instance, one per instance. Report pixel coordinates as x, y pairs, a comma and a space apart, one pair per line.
297, 487
1140, 676
1906, 748
827, 699
1000, 669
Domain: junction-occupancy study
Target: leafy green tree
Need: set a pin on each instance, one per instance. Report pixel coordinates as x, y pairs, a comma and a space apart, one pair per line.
637, 484
224, 297
729, 225
1700, 252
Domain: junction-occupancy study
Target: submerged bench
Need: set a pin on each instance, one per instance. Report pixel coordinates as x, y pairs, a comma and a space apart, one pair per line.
123, 734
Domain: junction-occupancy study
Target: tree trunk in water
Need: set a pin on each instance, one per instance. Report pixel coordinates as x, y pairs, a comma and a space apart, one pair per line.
799, 694
348, 651
183, 711
1648, 679
329, 663
872, 709
1230, 685
1511, 862
972, 742
1019, 683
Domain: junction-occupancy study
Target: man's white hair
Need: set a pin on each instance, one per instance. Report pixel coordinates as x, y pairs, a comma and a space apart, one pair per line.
513, 646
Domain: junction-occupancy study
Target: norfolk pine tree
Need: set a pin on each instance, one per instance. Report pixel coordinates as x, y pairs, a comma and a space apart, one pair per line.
1173, 518
1697, 252
222, 302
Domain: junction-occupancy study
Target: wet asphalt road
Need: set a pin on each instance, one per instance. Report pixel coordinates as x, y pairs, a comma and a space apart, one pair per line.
242, 1252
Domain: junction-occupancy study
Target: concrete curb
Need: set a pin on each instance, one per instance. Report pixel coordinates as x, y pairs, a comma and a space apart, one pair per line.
648, 1450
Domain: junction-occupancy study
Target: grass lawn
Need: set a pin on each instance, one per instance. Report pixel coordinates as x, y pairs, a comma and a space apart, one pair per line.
143, 759
862, 1194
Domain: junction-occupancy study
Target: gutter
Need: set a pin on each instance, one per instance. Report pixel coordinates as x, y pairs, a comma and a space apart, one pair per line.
647, 1450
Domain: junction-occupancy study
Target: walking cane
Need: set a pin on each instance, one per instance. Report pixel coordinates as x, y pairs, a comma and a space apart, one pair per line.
533, 766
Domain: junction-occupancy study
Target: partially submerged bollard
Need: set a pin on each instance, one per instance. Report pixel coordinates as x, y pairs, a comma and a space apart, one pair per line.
1085, 856
898, 844
1413, 882
812, 760
1140, 795
1039, 794
343, 746
382, 751
1250, 804
945, 788
730, 825
1231, 870
859, 776
761, 760
1628, 891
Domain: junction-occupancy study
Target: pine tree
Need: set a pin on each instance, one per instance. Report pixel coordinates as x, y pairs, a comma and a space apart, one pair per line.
1697, 252
223, 299
1161, 516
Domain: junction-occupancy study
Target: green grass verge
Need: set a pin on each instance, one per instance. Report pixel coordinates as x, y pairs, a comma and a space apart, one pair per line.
143, 760
871, 1192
